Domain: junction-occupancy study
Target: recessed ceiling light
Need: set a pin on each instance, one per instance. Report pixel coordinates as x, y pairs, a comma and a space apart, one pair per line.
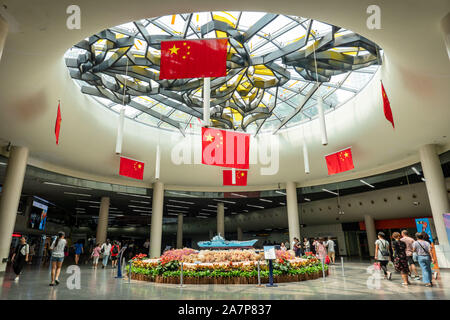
179, 201
174, 206
78, 194
250, 205
138, 201
415, 171
209, 210
332, 192
280, 192
239, 195
226, 201
181, 194
138, 210
265, 200
96, 207
202, 217
367, 184
282, 203
133, 195
88, 201
140, 207
213, 206
65, 185
423, 179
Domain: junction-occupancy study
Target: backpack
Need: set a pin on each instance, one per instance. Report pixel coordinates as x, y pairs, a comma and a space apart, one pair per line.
385, 251
115, 250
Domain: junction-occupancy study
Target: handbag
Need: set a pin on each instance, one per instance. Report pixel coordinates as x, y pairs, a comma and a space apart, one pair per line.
377, 266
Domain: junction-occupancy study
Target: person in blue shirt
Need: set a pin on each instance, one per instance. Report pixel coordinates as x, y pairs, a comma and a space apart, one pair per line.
78, 251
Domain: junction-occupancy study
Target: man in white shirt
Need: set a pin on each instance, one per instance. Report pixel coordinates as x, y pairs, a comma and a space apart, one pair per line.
106, 251
331, 253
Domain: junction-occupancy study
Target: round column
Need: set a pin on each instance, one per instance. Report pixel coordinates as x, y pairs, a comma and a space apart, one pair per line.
9, 202
292, 211
102, 225
157, 219
3, 34
438, 196
239, 234
221, 219
180, 231
371, 233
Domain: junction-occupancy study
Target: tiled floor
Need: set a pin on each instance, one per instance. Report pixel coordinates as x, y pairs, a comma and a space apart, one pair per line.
101, 284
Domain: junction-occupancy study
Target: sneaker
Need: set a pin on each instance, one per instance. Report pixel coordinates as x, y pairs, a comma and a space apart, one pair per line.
435, 275
51, 284
16, 278
57, 281
417, 277
389, 276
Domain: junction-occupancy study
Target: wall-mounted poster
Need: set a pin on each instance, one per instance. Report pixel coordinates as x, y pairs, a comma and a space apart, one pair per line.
38, 216
423, 225
447, 225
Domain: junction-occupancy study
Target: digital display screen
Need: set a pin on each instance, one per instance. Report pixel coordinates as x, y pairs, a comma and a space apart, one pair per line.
38, 216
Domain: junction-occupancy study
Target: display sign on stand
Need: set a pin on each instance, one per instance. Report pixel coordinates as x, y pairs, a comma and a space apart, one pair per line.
269, 254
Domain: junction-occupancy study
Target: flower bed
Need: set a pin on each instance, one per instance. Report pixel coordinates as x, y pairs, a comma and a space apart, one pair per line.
167, 269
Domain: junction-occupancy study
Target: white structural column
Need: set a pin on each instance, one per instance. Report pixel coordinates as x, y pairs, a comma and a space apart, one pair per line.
9, 202
3, 34
180, 231
292, 211
240, 235
438, 196
157, 219
102, 225
371, 233
221, 219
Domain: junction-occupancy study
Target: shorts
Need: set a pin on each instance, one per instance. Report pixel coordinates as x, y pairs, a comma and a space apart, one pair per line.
113, 258
57, 259
332, 254
96, 259
410, 260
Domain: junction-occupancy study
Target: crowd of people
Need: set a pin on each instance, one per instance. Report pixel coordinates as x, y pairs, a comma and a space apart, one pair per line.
406, 252
321, 247
56, 249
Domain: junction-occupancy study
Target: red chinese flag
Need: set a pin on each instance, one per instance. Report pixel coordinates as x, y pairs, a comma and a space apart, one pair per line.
58, 123
225, 148
193, 59
131, 168
241, 178
340, 161
387, 107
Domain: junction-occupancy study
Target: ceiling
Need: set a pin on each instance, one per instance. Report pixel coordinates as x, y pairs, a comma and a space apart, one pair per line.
34, 76
271, 70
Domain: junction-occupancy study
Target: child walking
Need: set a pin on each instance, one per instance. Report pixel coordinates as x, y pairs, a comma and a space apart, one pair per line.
96, 255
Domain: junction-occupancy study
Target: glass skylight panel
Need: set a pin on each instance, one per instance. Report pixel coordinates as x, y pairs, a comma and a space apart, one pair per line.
281, 31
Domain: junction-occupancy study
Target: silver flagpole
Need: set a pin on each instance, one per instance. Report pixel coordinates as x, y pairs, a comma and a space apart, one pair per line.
121, 117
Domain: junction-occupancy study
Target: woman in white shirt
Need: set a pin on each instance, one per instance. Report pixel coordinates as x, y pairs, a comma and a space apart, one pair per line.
57, 258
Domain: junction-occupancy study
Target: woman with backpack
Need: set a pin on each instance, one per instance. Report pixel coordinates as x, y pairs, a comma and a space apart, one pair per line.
382, 254
20, 257
57, 258
115, 249
424, 257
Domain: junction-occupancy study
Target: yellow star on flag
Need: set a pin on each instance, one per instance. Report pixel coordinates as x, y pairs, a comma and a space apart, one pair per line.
174, 49
209, 138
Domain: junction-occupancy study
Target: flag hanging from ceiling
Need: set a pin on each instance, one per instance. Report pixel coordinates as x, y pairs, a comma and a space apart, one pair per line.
131, 168
340, 161
241, 178
225, 148
387, 107
183, 59
58, 123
